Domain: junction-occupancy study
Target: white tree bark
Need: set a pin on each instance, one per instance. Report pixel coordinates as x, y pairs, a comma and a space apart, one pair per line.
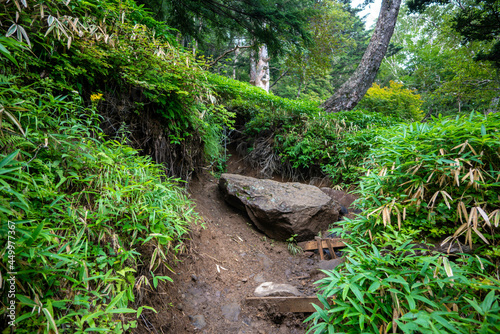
259, 69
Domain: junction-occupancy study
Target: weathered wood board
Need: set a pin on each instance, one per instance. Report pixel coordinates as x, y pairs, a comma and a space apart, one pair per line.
287, 304
314, 244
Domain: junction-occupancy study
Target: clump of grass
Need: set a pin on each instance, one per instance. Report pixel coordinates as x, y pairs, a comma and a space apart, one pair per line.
293, 249
433, 181
83, 209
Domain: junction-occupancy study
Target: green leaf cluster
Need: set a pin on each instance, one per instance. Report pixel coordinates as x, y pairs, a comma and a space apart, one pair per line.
116, 49
85, 211
397, 290
425, 183
394, 100
303, 137
439, 178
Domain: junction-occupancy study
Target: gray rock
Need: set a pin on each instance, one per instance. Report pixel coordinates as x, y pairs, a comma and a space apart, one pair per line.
281, 210
268, 289
330, 264
231, 311
199, 321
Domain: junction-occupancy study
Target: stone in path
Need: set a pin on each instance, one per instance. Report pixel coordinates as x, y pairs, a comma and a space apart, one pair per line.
199, 321
281, 210
270, 289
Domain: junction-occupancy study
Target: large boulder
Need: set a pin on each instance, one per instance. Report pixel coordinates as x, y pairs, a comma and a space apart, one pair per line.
281, 210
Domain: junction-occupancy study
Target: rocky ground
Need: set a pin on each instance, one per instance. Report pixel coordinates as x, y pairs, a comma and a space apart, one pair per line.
226, 259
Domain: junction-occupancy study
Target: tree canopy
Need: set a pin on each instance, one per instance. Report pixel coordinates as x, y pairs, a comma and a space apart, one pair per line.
475, 20
265, 21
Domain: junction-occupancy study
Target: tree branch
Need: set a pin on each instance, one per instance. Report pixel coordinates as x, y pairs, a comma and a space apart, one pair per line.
281, 76
227, 52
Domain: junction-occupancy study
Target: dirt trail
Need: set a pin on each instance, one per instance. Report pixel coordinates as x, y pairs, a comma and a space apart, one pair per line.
226, 260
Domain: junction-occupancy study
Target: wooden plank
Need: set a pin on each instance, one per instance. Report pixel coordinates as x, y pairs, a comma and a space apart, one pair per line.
312, 245
286, 304
321, 256
330, 248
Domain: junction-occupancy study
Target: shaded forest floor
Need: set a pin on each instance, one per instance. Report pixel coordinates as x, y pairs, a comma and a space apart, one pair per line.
223, 264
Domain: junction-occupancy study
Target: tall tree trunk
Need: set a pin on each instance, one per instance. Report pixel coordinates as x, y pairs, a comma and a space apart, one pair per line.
351, 92
259, 69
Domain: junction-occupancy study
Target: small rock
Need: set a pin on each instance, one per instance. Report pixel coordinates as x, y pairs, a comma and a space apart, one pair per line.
194, 277
231, 311
330, 264
179, 307
267, 289
199, 321
244, 280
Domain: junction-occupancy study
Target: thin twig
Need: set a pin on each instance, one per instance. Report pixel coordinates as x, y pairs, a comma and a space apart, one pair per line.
213, 258
227, 52
281, 76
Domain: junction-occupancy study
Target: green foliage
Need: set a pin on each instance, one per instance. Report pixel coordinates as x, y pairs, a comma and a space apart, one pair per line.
217, 22
475, 20
394, 101
315, 71
392, 289
435, 181
117, 49
310, 62
293, 249
85, 210
438, 178
302, 135
439, 65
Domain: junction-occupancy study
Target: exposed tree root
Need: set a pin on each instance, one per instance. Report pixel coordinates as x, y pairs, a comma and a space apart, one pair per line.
148, 131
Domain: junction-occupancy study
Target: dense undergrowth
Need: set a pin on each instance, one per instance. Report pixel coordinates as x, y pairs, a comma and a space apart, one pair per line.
425, 189
90, 224
78, 212
297, 139
424, 183
99, 94
142, 82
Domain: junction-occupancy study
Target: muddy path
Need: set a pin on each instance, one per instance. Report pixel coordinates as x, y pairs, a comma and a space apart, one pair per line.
226, 259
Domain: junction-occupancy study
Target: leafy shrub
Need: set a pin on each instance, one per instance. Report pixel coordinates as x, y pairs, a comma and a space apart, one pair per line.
117, 49
423, 182
394, 101
299, 134
395, 290
84, 211
440, 178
